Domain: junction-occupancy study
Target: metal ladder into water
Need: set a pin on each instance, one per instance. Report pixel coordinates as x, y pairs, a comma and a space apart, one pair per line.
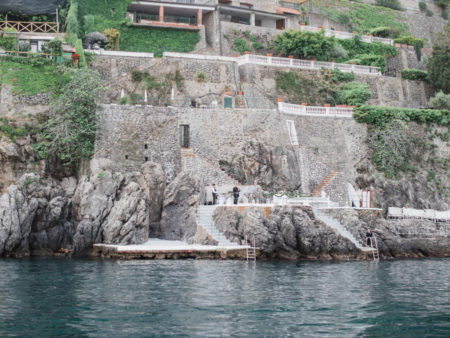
374, 245
250, 249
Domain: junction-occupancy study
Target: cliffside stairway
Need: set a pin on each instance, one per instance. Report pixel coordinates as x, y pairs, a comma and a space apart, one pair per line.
334, 224
325, 182
209, 171
205, 219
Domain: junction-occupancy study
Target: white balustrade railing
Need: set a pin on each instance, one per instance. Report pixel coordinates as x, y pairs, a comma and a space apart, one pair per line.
294, 109
348, 35
280, 62
306, 64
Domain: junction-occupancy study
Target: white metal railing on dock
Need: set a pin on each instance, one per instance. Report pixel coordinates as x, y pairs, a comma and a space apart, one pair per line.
347, 35
295, 109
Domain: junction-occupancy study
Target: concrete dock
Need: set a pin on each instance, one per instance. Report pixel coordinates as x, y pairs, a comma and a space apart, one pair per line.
164, 249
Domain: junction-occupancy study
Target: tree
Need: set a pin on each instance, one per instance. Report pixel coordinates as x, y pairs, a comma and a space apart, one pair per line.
353, 93
304, 44
69, 133
439, 63
440, 101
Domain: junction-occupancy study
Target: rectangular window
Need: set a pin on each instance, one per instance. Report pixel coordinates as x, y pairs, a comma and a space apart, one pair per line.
184, 135
228, 102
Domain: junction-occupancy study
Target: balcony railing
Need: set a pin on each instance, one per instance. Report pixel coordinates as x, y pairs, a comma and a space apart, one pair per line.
30, 27
289, 4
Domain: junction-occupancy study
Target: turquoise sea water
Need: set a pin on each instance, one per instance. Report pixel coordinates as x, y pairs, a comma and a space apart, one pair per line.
91, 298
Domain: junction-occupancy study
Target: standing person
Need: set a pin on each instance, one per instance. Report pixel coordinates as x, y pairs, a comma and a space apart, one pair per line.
214, 194
368, 237
236, 191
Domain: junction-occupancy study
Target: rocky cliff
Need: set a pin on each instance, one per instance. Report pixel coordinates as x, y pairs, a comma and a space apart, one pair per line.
293, 232
42, 216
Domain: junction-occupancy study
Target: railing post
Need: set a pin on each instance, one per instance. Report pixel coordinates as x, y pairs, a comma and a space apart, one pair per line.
291, 62
327, 110
353, 68
269, 60
312, 64
280, 105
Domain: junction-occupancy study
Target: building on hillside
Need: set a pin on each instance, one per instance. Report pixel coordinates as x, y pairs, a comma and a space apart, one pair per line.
207, 16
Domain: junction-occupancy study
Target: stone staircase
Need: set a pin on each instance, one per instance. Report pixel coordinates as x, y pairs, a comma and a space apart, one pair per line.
334, 224
325, 182
210, 172
205, 220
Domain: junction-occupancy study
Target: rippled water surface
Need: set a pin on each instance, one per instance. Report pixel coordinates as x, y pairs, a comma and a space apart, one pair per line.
48, 297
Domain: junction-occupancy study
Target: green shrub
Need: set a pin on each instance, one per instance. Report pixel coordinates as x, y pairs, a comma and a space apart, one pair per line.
394, 4
410, 40
344, 18
124, 100
257, 45
137, 76
370, 60
338, 52
440, 101
79, 49
241, 46
353, 93
72, 25
8, 41
442, 3
428, 12
385, 32
438, 65
444, 15
247, 34
200, 77
89, 24
422, 6
338, 76
414, 74
69, 133
157, 40
393, 147
379, 116
305, 44
356, 47
53, 47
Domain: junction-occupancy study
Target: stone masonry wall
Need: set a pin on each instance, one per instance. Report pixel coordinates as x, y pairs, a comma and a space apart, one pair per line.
227, 28
111, 67
131, 135
386, 90
251, 140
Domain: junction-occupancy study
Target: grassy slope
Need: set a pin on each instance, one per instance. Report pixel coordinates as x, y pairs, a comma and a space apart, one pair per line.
363, 17
27, 79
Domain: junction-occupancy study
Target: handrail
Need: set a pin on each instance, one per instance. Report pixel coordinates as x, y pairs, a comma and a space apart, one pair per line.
301, 110
30, 26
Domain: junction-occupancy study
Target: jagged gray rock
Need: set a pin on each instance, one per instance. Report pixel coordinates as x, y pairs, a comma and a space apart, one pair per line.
41, 217
181, 199
274, 168
284, 232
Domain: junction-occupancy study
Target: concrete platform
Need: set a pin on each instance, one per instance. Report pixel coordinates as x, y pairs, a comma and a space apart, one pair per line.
163, 249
